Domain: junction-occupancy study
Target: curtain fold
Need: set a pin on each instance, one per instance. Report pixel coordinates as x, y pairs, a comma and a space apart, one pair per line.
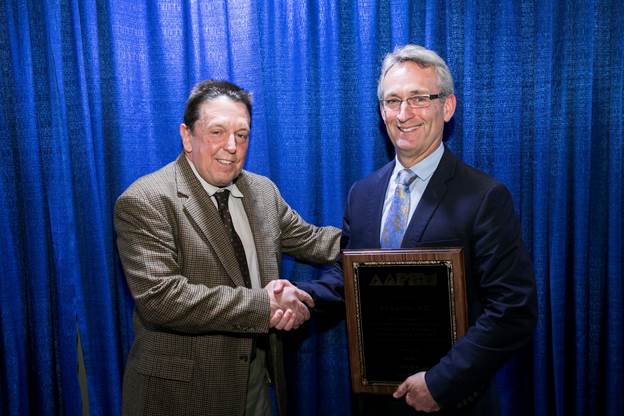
91, 96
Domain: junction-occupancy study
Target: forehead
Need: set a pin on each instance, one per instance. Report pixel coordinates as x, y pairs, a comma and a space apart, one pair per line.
410, 78
223, 110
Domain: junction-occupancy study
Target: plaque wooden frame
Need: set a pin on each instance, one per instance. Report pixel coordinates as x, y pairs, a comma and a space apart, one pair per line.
356, 261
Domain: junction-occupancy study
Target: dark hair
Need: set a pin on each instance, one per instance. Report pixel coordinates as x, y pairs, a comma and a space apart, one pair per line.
209, 90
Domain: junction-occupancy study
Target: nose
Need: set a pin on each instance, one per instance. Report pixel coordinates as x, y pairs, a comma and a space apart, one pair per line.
405, 112
230, 144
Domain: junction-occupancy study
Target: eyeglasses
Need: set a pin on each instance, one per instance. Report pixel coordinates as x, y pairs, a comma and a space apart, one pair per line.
415, 101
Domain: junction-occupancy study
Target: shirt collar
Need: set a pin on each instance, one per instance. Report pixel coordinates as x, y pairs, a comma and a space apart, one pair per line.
425, 168
210, 188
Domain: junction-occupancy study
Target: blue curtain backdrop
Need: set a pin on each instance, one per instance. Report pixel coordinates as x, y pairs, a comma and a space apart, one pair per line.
92, 92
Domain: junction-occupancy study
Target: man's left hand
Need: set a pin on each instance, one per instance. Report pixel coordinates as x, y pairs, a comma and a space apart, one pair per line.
416, 393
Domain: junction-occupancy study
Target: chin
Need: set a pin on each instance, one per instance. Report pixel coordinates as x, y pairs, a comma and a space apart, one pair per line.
229, 179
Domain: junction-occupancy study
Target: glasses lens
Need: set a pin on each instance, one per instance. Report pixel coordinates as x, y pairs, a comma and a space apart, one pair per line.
418, 101
392, 104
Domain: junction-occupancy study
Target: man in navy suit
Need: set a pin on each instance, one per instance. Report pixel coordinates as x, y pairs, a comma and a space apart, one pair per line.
444, 202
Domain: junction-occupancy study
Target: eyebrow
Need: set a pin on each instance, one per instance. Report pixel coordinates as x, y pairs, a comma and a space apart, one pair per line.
411, 93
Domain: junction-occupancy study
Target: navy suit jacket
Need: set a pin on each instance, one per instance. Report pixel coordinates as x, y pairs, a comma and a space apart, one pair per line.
461, 207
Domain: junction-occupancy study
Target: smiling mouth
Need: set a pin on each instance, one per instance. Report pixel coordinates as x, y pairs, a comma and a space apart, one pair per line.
225, 162
408, 129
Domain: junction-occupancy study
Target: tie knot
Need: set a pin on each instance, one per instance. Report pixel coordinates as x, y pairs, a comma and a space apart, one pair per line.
222, 198
406, 177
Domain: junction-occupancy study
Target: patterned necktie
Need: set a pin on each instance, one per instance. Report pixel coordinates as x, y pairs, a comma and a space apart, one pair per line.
237, 245
396, 221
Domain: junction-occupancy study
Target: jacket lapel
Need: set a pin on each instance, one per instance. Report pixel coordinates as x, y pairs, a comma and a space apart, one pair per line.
253, 208
202, 213
430, 200
375, 207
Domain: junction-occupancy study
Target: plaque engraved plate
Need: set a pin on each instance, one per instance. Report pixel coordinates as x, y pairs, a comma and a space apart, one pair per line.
405, 309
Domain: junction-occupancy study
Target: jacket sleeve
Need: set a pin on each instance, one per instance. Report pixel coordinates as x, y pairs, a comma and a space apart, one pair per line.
147, 240
303, 240
506, 289
328, 290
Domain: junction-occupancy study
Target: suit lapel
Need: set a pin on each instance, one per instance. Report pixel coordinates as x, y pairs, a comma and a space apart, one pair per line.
375, 208
430, 200
251, 204
202, 213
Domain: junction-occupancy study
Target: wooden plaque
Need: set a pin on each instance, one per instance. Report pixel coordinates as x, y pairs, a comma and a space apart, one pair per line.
405, 309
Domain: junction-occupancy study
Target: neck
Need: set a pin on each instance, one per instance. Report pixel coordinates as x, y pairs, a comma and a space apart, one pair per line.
408, 160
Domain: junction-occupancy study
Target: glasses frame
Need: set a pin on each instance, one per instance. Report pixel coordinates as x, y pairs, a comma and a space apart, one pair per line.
427, 103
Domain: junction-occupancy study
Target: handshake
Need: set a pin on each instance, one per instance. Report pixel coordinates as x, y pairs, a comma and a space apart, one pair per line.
289, 305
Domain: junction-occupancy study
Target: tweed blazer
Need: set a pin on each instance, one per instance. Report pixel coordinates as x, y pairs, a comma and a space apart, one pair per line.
194, 320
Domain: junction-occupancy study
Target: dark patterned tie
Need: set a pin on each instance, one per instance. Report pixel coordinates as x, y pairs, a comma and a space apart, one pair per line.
396, 221
237, 245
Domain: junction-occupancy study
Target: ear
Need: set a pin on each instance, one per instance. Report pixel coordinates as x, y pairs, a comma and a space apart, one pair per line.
383, 113
450, 103
185, 134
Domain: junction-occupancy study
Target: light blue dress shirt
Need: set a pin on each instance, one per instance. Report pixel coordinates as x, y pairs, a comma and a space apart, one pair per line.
424, 171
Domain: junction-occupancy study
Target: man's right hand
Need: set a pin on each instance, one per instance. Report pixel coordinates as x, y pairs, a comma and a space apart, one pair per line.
416, 393
288, 305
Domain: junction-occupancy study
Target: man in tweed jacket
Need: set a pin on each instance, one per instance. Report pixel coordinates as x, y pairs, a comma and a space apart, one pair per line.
201, 345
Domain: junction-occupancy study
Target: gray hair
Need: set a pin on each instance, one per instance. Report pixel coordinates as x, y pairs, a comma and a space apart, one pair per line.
423, 57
